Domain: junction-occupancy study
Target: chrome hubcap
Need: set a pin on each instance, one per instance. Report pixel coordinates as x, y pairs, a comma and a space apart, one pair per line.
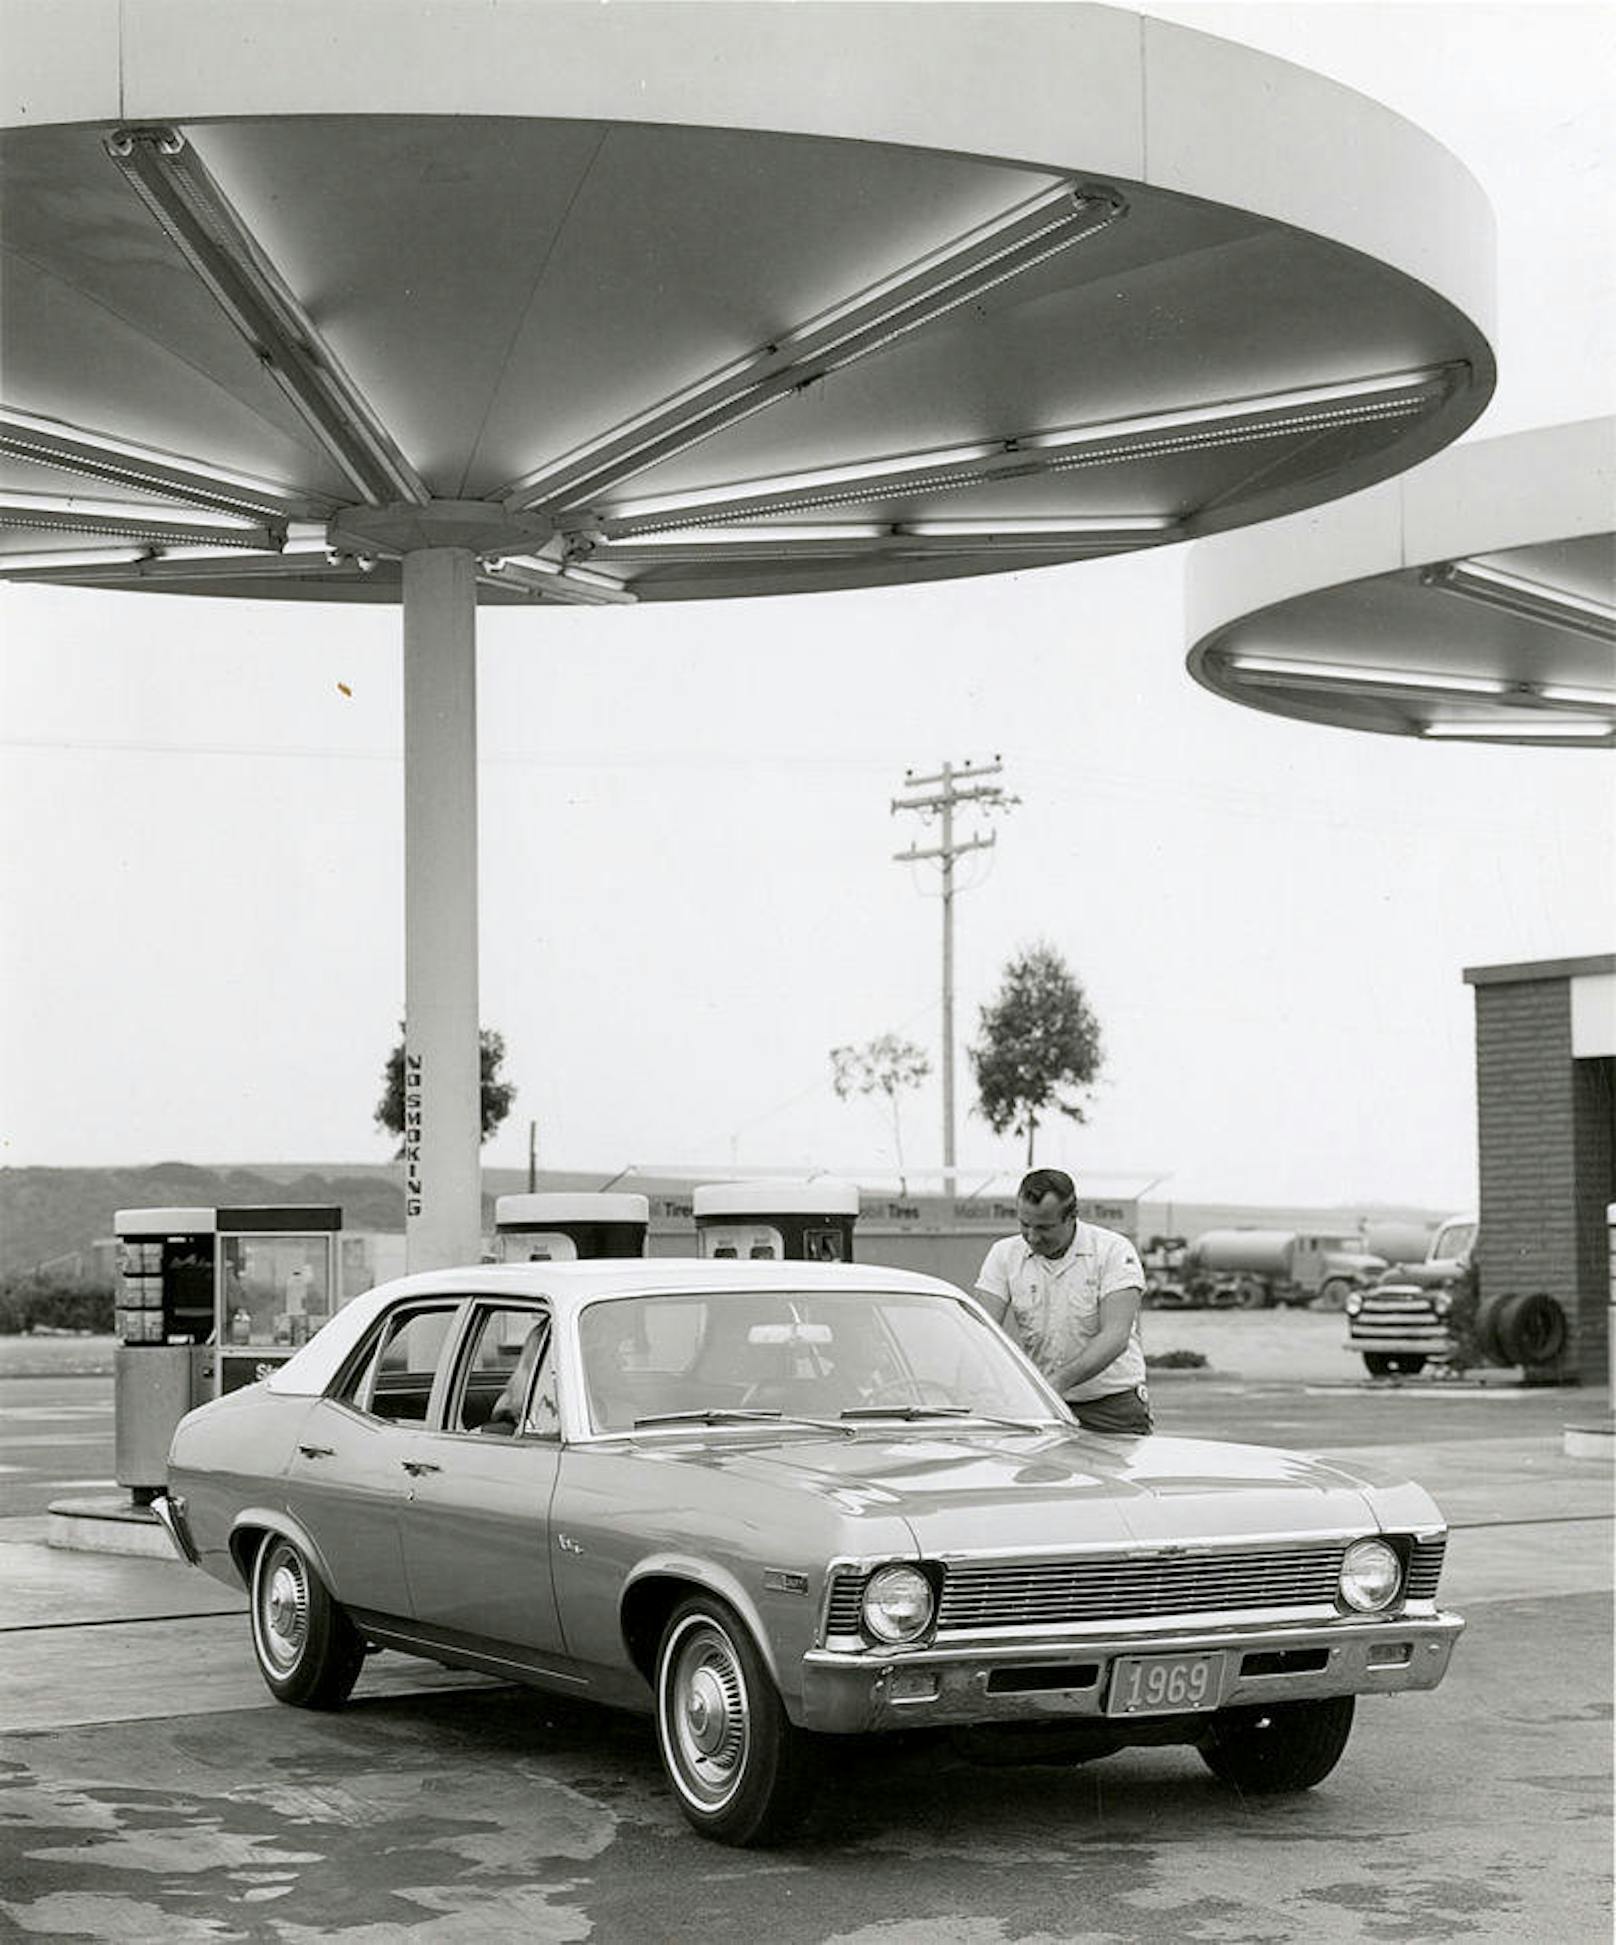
706, 1715
706, 1711
285, 1611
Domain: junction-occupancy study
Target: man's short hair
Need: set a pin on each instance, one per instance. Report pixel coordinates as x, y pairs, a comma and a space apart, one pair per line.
1040, 1182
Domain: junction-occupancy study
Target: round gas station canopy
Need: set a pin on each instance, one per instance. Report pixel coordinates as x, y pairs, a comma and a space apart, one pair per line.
652, 302
1473, 600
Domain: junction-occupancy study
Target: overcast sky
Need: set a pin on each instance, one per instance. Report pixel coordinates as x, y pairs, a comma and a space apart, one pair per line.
688, 888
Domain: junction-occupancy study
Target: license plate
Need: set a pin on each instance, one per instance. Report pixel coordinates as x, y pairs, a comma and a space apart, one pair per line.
1164, 1684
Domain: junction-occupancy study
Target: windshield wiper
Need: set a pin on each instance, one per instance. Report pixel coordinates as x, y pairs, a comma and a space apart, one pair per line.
707, 1415
734, 1415
909, 1413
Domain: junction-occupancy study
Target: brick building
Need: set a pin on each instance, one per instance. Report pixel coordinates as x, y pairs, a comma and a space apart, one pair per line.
1546, 1112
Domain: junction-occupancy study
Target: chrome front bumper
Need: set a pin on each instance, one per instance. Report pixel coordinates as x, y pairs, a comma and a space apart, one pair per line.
1044, 1680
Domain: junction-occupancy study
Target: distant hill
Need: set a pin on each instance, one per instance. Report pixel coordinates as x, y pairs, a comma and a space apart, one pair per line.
47, 1213
51, 1213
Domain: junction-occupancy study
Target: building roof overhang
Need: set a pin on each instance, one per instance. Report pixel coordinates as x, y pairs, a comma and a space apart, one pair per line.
653, 302
1472, 600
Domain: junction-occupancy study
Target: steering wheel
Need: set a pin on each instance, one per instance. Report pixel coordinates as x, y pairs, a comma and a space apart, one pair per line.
919, 1392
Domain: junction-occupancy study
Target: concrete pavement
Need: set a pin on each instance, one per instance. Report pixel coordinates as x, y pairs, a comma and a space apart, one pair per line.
154, 1791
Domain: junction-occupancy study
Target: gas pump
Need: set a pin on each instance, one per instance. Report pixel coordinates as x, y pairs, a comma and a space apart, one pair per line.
559, 1228
277, 1284
209, 1300
800, 1222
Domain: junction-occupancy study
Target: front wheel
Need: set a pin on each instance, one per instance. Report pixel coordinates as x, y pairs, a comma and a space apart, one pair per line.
1393, 1364
1333, 1295
308, 1651
742, 1771
1271, 1751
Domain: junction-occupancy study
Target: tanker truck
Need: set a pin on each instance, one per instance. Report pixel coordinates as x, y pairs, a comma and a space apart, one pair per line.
1252, 1269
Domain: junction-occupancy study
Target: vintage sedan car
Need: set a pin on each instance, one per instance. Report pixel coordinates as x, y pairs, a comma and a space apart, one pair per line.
774, 1504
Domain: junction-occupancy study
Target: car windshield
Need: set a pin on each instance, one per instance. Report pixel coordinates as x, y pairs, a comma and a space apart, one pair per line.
740, 1355
1453, 1239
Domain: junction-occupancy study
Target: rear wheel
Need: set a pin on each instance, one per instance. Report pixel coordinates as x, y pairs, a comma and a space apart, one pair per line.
742, 1771
1270, 1751
308, 1651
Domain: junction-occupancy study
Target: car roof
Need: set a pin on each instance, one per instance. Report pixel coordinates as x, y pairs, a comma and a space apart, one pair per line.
567, 1286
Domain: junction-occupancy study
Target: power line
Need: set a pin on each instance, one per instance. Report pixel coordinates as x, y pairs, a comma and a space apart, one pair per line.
940, 795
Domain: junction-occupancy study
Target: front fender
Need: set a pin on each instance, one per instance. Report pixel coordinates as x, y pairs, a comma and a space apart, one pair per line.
727, 1586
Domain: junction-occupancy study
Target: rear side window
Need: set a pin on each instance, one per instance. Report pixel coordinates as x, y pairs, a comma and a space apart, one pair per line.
392, 1375
503, 1387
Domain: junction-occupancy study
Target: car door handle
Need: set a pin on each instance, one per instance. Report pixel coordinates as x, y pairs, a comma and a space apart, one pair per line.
317, 1451
415, 1467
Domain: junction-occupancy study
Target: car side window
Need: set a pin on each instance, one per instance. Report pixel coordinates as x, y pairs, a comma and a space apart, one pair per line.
393, 1376
504, 1388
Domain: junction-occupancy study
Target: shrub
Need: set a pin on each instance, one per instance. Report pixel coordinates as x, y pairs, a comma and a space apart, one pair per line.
40, 1301
1176, 1360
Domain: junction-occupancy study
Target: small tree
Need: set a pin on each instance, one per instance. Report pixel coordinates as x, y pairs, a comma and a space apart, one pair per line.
885, 1065
497, 1095
1040, 1042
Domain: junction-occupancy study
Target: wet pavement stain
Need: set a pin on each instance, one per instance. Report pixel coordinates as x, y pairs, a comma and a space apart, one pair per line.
263, 1835
487, 1815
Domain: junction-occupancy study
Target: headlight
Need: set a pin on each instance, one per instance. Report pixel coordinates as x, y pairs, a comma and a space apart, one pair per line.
1370, 1575
1354, 1302
898, 1604
1441, 1302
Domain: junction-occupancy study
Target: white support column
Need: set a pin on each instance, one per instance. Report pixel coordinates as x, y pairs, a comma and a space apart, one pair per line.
442, 1090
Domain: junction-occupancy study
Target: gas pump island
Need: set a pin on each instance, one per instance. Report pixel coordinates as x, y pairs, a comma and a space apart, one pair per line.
209, 1300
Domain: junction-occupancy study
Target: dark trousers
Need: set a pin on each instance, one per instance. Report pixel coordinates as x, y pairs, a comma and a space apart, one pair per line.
1115, 1411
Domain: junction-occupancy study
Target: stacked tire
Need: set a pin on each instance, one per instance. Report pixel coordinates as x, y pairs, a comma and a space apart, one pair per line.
1528, 1330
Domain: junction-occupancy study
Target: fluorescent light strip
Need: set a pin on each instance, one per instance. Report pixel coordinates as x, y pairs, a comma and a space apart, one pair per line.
1357, 396
93, 455
1053, 528
1249, 435
1363, 676
181, 565
1196, 429
170, 178
1541, 729
153, 525
1577, 698
571, 584
850, 539
65, 559
1533, 600
967, 289
959, 273
53, 505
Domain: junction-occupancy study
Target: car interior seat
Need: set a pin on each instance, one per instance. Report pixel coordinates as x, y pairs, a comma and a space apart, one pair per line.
506, 1417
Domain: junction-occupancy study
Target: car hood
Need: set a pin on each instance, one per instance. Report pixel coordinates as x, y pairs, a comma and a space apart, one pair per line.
969, 1489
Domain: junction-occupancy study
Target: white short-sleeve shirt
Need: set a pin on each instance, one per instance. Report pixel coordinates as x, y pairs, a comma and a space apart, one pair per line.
1053, 1304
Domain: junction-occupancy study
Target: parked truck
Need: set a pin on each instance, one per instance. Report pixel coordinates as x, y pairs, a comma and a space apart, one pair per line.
1254, 1269
1431, 1312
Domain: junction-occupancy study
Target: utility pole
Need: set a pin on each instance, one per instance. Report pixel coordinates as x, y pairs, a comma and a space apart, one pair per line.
944, 792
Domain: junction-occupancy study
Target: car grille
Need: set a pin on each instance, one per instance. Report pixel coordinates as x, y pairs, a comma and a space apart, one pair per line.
1397, 1315
1067, 1591
1425, 1568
